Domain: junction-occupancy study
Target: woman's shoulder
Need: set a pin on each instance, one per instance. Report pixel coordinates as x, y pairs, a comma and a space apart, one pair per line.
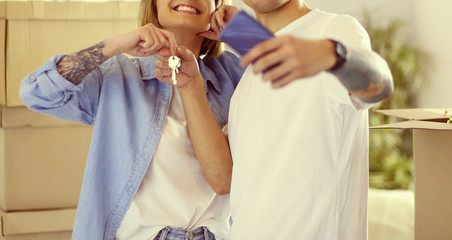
226, 60
225, 66
224, 57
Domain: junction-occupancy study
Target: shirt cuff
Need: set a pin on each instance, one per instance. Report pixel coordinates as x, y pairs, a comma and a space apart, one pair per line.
50, 80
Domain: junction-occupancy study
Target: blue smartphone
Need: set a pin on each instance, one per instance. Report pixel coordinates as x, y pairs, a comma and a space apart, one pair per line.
243, 32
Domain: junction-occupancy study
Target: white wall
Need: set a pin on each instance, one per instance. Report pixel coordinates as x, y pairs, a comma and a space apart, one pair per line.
434, 34
403, 9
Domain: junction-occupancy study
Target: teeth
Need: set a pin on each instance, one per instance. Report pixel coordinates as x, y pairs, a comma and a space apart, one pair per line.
186, 9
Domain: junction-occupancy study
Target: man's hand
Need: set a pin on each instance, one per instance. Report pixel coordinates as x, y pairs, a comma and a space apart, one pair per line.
219, 19
286, 58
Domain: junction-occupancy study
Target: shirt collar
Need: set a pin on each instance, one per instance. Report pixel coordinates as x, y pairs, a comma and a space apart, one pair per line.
206, 67
206, 64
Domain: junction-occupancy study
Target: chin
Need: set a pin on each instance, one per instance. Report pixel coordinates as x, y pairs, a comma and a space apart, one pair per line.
265, 6
186, 27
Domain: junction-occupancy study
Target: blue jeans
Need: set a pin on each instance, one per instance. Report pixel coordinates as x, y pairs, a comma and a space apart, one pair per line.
201, 233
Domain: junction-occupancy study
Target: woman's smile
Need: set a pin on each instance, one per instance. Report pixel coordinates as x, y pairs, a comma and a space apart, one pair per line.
185, 8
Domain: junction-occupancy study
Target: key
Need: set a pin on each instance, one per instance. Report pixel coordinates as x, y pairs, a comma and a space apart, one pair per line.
174, 64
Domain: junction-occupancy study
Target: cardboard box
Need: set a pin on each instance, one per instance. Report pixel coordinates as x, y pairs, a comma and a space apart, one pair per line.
42, 160
37, 225
432, 150
35, 31
2, 52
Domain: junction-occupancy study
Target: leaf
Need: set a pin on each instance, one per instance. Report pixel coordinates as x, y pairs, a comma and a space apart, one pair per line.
390, 151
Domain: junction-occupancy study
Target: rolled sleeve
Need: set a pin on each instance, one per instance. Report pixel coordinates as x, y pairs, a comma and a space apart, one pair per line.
46, 91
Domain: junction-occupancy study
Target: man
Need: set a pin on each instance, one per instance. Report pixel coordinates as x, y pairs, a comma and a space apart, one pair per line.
299, 132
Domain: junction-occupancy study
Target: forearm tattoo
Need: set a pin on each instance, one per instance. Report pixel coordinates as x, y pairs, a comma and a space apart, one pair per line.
76, 66
366, 74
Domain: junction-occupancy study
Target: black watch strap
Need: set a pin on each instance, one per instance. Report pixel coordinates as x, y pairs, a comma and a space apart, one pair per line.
341, 55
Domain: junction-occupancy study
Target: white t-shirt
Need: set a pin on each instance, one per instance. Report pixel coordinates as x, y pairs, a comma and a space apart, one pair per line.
300, 152
174, 191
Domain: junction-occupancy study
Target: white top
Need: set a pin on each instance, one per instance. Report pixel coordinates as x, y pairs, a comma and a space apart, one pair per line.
300, 152
174, 191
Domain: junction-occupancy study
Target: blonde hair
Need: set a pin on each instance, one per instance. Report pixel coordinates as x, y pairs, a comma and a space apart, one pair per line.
148, 14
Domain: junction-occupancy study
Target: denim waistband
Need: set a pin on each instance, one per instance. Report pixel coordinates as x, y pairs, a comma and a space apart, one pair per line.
169, 233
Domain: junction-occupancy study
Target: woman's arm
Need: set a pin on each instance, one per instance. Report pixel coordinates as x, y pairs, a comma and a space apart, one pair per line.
56, 88
209, 143
76, 66
143, 41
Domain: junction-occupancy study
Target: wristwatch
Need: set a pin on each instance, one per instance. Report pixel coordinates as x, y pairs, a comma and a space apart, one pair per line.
341, 55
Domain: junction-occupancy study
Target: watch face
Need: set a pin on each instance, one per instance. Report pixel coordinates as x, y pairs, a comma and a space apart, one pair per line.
341, 50
341, 55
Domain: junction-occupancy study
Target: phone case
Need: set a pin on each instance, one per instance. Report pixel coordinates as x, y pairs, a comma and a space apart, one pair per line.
243, 32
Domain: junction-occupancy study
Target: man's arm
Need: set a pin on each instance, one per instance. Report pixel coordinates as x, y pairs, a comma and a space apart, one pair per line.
366, 75
286, 58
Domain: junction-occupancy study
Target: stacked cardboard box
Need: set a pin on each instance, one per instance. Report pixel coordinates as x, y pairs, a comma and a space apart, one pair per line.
37, 225
42, 159
38, 30
432, 141
2, 52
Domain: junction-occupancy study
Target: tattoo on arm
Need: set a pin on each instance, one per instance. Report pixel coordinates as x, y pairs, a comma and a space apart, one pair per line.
76, 66
367, 76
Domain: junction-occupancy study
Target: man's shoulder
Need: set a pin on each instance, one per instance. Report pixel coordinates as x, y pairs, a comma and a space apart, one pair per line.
317, 23
332, 18
322, 24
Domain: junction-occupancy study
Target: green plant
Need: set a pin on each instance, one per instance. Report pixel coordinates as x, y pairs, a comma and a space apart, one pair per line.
391, 161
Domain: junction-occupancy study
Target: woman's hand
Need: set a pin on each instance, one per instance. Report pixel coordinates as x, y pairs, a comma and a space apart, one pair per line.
219, 19
141, 42
188, 69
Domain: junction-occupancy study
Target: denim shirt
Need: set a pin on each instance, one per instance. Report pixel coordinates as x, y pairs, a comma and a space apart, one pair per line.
127, 106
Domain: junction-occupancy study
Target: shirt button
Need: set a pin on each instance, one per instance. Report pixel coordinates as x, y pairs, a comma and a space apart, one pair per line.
32, 77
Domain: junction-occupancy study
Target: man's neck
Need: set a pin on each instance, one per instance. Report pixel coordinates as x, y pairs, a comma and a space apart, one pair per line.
281, 17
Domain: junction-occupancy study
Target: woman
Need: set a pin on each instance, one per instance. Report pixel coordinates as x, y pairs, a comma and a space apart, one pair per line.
144, 178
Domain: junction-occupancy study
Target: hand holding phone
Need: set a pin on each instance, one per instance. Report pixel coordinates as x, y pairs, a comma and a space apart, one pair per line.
243, 32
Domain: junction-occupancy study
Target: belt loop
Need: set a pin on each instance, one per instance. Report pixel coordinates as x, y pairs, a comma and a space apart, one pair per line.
164, 233
206, 233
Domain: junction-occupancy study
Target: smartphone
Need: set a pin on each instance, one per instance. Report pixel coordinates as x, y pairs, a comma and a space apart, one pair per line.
243, 32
